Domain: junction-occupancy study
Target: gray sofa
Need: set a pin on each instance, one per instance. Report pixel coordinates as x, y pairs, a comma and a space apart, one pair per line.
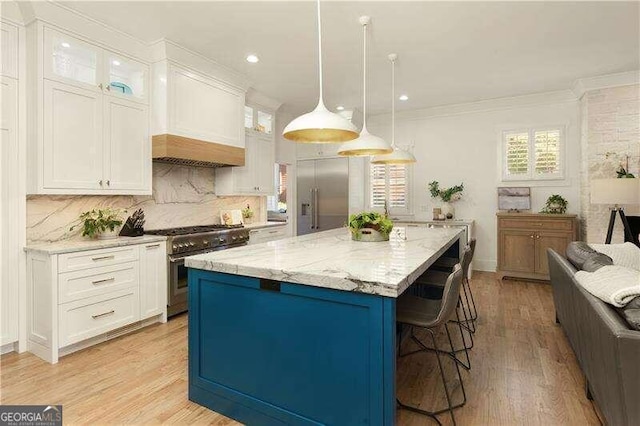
607, 349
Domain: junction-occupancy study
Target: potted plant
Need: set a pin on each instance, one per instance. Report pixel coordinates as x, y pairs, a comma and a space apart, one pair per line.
247, 214
370, 226
556, 204
447, 196
100, 223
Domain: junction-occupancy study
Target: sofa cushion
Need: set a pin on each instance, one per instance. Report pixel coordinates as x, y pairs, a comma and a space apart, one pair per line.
596, 261
631, 313
627, 254
578, 252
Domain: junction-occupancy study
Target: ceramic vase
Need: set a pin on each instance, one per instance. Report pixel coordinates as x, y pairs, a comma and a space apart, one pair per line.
368, 235
108, 235
448, 210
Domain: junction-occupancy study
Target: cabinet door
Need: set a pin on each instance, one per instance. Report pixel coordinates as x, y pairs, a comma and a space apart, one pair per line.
264, 166
153, 280
126, 78
244, 178
11, 248
554, 240
517, 251
203, 108
127, 145
8, 50
72, 153
72, 61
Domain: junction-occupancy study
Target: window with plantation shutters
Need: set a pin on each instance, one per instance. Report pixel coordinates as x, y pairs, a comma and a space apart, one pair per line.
389, 183
533, 154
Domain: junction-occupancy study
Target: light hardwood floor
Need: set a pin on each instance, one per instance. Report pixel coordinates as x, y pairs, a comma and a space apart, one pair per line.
523, 372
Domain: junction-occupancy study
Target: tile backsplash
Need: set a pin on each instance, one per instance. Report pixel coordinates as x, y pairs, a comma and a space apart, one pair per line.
182, 196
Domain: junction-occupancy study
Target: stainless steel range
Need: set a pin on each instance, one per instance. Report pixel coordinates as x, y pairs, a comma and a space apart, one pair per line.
190, 240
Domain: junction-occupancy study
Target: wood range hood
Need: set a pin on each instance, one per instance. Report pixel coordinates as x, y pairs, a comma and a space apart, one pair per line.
176, 149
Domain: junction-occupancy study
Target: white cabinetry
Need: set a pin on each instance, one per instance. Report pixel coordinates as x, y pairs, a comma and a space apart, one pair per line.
271, 233
256, 177
9, 213
8, 50
91, 119
193, 105
82, 298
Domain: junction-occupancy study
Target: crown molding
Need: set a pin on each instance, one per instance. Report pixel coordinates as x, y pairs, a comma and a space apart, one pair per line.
260, 99
583, 85
545, 98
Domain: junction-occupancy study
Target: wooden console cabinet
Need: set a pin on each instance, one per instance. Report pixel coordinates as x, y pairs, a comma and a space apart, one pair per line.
523, 240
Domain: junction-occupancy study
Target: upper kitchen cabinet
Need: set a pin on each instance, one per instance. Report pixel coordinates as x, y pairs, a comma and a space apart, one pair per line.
256, 177
91, 117
9, 52
197, 118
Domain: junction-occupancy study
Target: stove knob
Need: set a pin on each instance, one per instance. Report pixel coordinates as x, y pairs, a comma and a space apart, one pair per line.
205, 243
234, 238
221, 240
191, 244
175, 247
180, 246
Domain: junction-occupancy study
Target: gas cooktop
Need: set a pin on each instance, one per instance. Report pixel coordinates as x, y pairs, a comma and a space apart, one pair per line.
187, 230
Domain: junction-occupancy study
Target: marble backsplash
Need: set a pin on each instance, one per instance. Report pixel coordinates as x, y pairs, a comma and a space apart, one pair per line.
182, 196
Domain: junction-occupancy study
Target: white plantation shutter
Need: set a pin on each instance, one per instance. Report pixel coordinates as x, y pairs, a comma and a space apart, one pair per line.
390, 183
533, 154
547, 151
517, 154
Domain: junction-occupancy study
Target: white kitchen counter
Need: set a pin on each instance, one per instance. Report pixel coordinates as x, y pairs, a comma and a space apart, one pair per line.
260, 225
331, 259
70, 246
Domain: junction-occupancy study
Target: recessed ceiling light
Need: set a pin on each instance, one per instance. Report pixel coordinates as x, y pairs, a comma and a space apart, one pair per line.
65, 44
116, 63
252, 59
403, 98
340, 108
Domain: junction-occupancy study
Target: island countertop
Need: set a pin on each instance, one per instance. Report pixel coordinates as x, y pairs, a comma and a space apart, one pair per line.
332, 260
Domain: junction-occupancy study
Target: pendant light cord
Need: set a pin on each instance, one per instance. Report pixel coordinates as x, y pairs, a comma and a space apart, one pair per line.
320, 50
393, 103
364, 79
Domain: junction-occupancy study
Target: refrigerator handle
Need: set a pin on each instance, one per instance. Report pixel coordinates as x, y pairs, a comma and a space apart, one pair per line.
315, 210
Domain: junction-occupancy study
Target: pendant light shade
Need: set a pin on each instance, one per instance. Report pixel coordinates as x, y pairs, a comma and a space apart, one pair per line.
366, 144
398, 156
320, 125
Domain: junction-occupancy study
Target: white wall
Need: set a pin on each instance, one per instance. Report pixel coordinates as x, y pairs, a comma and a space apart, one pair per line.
461, 144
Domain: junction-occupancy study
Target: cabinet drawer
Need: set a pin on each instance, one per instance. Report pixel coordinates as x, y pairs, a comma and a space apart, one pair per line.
96, 281
87, 318
555, 224
90, 259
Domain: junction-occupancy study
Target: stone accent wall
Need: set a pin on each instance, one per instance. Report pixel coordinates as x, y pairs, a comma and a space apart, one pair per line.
610, 131
182, 196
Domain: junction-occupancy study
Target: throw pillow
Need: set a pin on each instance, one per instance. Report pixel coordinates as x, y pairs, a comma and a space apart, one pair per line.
631, 315
578, 252
596, 261
627, 254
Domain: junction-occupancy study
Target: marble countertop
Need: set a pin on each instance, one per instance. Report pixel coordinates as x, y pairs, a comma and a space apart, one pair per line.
70, 246
330, 259
260, 225
437, 222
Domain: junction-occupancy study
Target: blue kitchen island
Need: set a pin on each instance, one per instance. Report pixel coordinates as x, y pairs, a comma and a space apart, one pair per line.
302, 330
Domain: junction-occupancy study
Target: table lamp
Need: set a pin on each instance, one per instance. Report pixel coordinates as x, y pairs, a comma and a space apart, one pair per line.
617, 192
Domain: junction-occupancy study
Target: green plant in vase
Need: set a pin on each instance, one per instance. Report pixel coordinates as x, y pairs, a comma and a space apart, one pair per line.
370, 226
247, 213
556, 204
447, 196
100, 223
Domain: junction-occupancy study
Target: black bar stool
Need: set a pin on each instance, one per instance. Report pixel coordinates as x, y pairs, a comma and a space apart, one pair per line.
431, 315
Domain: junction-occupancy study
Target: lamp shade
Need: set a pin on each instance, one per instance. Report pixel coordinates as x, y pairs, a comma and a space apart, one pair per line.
320, 126
366, 144
615, 191
398, 156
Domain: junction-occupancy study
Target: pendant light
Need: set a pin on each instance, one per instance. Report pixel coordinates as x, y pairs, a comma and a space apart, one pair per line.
366, 144
320, 125
398, 156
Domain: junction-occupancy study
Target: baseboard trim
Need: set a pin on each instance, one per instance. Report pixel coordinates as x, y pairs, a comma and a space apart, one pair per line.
9, 347
484, 265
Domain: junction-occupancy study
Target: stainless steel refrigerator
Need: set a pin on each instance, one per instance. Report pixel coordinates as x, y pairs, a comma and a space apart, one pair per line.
323, 194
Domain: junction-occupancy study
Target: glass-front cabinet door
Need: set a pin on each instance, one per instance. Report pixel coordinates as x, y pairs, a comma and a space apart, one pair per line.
126, 78
70, 60
265, 122
258, 120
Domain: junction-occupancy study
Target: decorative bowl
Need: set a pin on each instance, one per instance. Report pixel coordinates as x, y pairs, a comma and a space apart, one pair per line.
368, 235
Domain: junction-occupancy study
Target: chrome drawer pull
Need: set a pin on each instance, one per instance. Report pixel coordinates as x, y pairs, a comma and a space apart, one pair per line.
102, 281
153, 245
103, 314
273, 232
102, 257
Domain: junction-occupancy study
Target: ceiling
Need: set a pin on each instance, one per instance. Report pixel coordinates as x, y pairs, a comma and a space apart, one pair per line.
449, 52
